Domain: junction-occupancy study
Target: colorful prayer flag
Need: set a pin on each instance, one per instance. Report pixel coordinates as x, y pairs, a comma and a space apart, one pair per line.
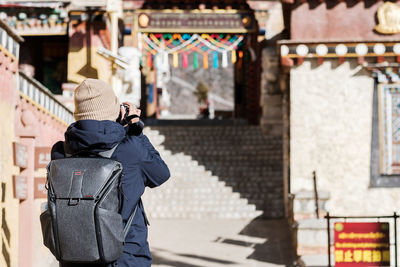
233, 56
205, 60
185, 60
224, 59
175, 60
195, 60
215, 55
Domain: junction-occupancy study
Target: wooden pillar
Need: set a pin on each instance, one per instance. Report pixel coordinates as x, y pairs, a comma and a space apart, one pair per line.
253, 80
285, 89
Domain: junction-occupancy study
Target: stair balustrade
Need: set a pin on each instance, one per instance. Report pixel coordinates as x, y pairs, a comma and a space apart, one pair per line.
36, 93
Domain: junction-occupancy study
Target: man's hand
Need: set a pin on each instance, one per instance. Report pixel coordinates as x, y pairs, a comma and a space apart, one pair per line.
132, 111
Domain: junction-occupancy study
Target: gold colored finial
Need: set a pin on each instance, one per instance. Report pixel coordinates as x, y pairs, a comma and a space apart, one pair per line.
388, 18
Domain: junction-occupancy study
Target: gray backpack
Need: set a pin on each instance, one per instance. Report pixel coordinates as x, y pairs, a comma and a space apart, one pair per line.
82, 223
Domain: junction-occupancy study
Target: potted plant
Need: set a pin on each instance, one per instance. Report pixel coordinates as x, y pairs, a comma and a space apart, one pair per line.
202, 97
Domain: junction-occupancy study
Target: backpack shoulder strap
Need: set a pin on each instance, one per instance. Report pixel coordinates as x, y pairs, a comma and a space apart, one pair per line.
108, 153
130, 220
67, 155
104, 154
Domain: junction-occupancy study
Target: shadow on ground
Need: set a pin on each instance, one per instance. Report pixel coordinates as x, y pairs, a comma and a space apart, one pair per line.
279, 246
159, 260
265, 243
162, 260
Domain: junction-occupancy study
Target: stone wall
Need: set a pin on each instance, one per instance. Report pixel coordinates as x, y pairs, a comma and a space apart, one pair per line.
331, 128
271, 95
9, 48
24, 120
35, 126
9, 205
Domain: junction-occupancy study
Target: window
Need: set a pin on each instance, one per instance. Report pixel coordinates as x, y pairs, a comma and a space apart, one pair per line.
389, 128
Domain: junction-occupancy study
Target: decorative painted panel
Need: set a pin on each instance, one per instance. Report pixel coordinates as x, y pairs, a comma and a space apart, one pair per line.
47, 19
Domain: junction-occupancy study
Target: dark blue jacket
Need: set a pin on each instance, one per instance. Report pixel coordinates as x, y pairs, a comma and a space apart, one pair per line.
142, 166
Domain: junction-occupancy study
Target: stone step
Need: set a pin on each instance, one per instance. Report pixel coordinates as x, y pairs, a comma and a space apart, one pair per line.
238, 161
205, 135
240, 177
270, 184
200, 134
255, 149
242, 168
199, 203
200, 141
179, 181
194, 191
177, 204
197, 129
226, 142
204, 214
217, 172
231, 180
193, 198
211, 149
269, 204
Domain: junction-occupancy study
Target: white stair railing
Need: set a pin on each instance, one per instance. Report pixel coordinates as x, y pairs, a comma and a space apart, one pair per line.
37, 93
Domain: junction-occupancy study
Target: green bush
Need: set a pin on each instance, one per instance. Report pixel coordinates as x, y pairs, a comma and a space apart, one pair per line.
201, 92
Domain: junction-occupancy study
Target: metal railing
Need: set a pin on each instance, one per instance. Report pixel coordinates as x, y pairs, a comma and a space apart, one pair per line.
44, 99
316, 199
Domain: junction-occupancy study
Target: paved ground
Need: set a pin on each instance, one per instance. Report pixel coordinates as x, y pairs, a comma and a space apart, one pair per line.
217, 242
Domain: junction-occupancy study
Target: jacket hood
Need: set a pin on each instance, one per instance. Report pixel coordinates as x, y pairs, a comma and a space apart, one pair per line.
93, 135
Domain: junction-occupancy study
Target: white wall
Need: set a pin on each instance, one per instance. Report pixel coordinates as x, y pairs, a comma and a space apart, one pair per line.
331, 123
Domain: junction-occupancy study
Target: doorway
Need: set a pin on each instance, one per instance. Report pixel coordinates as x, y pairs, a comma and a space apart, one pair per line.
45, 59
194, 76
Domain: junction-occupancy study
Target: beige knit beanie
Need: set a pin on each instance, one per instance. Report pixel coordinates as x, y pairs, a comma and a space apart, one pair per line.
95, 100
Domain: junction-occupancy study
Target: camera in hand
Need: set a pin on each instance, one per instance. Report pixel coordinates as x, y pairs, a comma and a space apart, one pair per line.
135, 128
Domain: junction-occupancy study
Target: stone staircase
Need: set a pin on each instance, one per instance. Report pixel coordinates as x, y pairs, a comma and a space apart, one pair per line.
229, 171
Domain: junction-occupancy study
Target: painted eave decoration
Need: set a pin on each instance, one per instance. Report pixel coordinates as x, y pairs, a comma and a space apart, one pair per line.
323, 1
89, 3
294, 50
36, 19
195, 21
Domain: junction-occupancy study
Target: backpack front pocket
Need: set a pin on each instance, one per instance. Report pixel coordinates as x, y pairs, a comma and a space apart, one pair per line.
110, 234
47, 231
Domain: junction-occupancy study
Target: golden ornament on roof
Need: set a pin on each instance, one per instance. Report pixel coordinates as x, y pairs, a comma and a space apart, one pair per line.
144, 20
388, 18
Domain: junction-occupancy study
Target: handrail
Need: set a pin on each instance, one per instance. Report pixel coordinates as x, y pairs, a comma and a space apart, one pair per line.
44, 99
11, 32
